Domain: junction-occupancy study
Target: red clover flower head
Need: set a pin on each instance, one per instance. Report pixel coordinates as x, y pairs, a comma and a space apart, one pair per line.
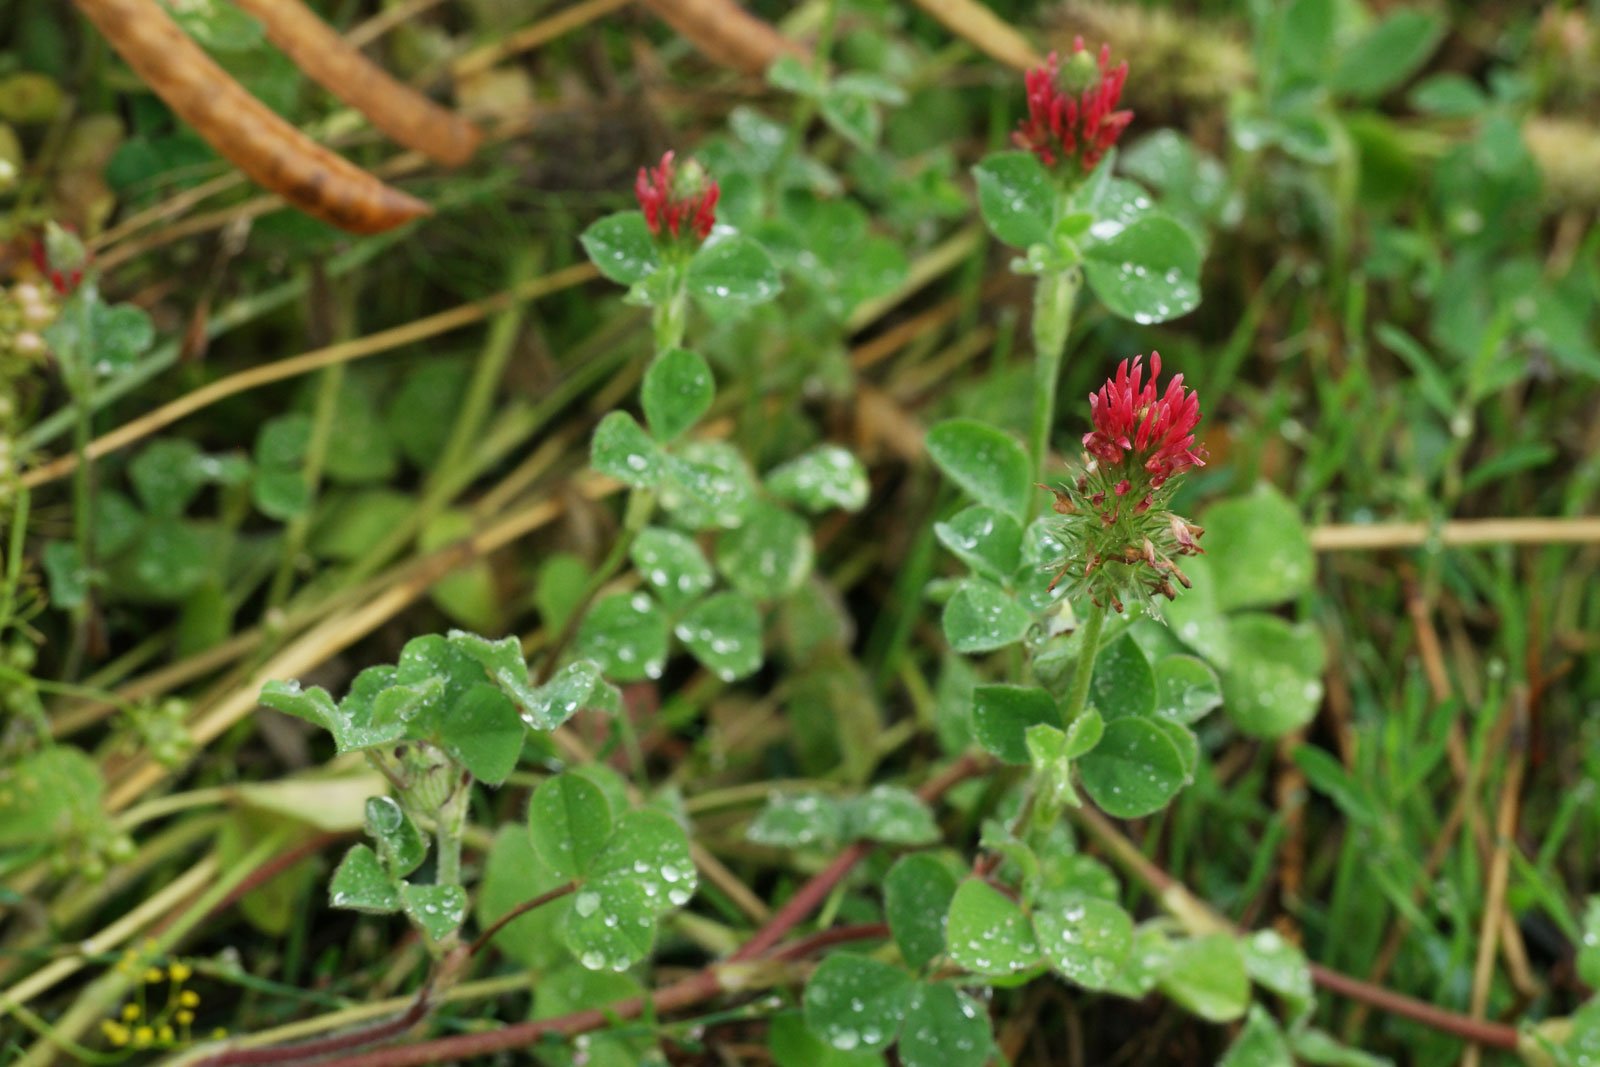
61, 257
678, 200
1132, 421
1072, 112
1120, 531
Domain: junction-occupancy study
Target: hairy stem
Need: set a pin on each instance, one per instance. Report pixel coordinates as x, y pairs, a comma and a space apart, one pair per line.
1078, 696
1053, 298
447, 835
670, 318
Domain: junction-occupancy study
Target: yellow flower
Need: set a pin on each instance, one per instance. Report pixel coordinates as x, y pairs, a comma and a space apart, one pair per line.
115, 1032
152, 975
184, 1016
220, 1032
180, 972
189, 998
167, 1035
130, 1012
143, 1036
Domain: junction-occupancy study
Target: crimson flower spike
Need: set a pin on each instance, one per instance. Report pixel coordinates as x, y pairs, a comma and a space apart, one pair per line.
1120, 535
681, 201
1072, 113
1133, 421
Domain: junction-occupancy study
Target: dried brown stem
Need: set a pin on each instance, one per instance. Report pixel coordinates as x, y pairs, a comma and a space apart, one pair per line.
1495, 915
333, 63
725, 32
1360, 537
242, 128
985, 30
343, 352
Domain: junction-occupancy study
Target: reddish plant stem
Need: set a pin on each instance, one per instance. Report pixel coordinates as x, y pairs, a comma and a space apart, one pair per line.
810, 896
800, 948
807, 899
1494, 1035
747, 976
695, 989
323, 1046
518, 912
698, 987
726, 32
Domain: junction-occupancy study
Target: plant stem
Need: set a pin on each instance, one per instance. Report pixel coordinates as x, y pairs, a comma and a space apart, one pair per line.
670, 318
165, 355
347, 1017
810, 896
447, 836
496, 353
65, 1044
758, 965
519, 911
1053, 298
1093, 623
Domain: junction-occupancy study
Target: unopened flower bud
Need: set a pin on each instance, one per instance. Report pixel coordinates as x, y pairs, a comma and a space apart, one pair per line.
1072, 117
677, 201
61, 256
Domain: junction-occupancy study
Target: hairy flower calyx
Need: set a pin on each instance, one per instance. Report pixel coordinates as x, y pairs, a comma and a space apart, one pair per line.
1121, 534
677, 201
1072, 110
